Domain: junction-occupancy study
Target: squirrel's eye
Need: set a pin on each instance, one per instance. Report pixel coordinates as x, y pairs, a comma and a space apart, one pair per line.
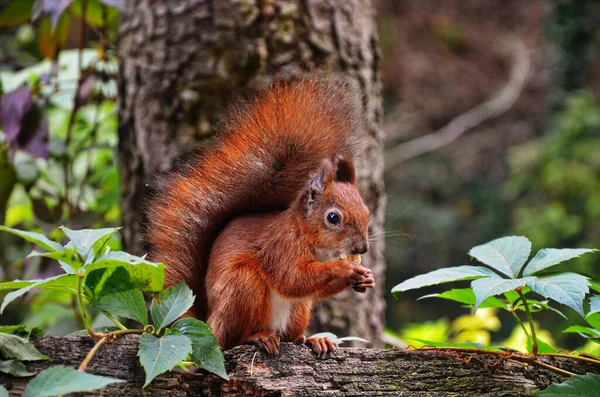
333, 218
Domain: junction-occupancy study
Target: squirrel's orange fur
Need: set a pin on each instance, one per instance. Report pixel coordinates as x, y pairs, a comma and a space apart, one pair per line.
248, 225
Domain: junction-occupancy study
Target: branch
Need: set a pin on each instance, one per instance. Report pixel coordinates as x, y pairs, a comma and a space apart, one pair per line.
297, 372
494, 107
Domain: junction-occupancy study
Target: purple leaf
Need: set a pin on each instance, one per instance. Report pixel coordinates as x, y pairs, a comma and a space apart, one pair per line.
25, 124
120, 4
13, 107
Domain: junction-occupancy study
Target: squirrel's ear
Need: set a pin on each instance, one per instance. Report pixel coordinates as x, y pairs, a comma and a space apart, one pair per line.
316, 185
344, 170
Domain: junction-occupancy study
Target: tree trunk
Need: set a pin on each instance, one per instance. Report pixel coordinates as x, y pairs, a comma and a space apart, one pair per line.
297, 372
183, 61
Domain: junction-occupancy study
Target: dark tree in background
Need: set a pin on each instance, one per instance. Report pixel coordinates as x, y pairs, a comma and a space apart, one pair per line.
184, 61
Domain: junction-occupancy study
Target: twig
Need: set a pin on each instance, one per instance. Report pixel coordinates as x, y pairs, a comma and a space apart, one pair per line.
92, 352
492, 108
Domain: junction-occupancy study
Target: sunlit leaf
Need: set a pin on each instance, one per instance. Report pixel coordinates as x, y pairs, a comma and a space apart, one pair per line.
594, 305
506, 254
565, 288
85, 240
174, 301
35, 238
486, 287
549, 257
62, 282
467, 296
159, 355
62, 380
583, 331
444, 275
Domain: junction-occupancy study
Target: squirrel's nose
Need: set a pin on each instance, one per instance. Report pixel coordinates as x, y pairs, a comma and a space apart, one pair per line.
360, 249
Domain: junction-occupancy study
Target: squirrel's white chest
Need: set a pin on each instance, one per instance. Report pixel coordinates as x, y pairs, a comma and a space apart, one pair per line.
281, 311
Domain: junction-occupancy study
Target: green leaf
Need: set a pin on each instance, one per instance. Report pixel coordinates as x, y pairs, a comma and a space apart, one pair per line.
3, 391
69, 257
565, 288
578, 386
486, 287
113, 292
62, 380
466, 296
583, 331
62, 282
594, 305
146, 275
444, 275
13, 346
548, 257
86, 239
353, 338
543, 347
16, 13
206, 352
129, 304
471, 345
174, 302
506, 254
159, 355
35, 238
21, 330
15, 368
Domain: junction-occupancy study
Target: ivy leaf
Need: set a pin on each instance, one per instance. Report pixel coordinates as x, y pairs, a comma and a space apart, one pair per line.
543, 347
35, 238
15, 368
565, 288
129, 303
159, 355
62, 282
466, 296
586, 332
548, 257
579, 385
594, 305
444, 275
507, 254
62, 380
13, 346
86, 239
146, 275
486, 287
206, 352
174, 301
69, 259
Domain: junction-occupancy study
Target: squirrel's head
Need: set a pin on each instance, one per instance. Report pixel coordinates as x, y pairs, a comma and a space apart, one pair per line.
334, 210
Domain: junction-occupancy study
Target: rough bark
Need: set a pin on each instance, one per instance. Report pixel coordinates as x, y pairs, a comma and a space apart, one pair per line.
184, 61
346, 372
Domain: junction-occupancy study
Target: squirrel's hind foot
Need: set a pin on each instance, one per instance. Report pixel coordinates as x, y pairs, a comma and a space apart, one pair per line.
321, 346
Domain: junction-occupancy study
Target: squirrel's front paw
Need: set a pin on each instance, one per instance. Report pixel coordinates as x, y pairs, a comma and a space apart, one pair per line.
359, 277
267, 341
321, 346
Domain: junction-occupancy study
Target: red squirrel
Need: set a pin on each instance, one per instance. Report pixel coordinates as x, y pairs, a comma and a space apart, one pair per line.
270, 219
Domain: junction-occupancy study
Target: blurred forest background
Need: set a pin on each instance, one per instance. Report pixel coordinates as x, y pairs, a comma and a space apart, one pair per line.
528, 168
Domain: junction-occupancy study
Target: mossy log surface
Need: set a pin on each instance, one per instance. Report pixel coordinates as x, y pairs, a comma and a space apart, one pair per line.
297, 372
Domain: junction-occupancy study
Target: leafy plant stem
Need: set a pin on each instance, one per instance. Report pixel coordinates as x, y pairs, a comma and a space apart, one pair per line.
92, 352
534, 346
77, 317
114, 320
510, 355
84, 317
520, 323
572, 356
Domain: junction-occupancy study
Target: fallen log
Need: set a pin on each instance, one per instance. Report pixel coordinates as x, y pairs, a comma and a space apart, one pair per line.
297, 372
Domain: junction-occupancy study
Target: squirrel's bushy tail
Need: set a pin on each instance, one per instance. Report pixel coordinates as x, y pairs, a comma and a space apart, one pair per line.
261, 161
